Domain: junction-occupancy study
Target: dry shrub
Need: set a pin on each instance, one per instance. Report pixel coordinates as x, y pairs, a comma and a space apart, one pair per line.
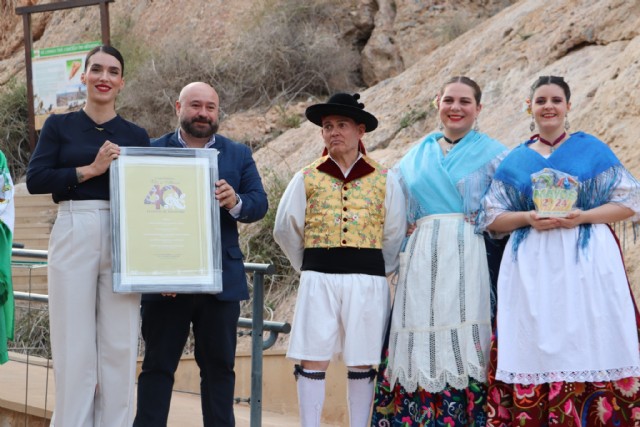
31, 335
153, 88
455, 26
291, 48
258, 245
288, 49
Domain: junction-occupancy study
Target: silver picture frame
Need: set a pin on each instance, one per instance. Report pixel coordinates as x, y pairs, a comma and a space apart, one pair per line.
165, 221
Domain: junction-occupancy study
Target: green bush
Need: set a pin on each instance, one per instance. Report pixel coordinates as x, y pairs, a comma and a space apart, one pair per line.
288, 120
14, 132
412, 117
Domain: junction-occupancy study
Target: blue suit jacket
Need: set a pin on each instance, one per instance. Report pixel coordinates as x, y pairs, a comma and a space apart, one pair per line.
237, 167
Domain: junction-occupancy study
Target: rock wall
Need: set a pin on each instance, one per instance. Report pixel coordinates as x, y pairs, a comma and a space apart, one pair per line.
407, 30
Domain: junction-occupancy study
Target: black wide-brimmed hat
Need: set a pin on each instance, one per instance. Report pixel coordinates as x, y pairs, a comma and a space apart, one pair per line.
342, 104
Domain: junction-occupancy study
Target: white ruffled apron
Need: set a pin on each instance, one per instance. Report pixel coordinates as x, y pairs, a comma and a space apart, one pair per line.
564, 320
441, 327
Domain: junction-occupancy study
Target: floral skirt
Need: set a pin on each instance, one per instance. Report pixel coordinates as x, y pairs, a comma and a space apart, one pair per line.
612, 403
393, 406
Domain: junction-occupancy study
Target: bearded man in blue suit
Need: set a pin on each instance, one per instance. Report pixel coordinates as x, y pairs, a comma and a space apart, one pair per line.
166, 319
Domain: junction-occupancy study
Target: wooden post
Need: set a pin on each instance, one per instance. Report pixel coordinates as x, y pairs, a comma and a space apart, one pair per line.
28, 47
104, 23
26, 12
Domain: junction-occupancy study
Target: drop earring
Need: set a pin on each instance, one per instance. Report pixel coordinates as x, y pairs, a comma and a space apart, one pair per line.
532, 125
567, 125
476, 127
441, 127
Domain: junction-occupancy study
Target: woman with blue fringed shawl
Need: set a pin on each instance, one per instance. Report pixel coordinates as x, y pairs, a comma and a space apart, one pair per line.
565, 346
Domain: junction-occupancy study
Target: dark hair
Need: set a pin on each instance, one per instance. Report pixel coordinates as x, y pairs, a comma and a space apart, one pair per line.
477, 92
109, 50
552, 80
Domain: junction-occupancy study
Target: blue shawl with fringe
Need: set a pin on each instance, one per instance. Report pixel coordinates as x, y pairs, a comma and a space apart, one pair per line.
582, 155
431, 179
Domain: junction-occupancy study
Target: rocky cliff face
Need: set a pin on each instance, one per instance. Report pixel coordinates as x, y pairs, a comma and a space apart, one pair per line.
505, 54
407, 49
594, 44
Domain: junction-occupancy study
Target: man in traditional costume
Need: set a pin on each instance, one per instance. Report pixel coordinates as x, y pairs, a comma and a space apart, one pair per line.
341, 222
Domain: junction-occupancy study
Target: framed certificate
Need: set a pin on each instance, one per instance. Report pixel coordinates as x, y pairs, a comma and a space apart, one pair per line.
165, 221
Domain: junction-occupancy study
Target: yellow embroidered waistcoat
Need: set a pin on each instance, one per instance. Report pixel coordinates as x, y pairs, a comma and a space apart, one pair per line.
344, 212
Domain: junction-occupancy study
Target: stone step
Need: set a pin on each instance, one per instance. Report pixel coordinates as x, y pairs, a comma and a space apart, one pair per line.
30, 234
30, 200
26, 201
35, 223
33, 227
35, 215
25, 208
44, 212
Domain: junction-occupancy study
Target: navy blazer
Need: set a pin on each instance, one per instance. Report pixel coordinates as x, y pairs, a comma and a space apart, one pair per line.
237, 167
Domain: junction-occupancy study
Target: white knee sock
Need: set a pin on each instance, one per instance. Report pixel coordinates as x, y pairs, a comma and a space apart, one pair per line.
360, 399
310, 400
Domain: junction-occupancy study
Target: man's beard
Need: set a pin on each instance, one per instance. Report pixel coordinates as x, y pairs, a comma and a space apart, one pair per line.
188, 126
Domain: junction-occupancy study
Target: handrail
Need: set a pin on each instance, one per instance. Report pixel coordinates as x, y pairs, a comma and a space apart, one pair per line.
27, 296
274, 328
252, 267
29, 253
257, 325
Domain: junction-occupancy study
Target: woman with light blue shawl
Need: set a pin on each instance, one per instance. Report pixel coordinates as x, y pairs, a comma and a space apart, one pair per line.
434, 371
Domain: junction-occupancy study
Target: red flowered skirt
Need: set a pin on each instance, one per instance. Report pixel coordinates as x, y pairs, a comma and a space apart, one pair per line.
614, 403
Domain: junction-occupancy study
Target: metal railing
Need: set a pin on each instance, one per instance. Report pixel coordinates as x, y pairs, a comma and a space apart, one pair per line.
257, 326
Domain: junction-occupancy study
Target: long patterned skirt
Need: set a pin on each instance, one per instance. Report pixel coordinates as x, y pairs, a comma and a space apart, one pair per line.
565, 404
395, 407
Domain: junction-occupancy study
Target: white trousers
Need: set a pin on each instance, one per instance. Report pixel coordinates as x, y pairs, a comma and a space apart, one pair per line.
340, 314
94, 331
